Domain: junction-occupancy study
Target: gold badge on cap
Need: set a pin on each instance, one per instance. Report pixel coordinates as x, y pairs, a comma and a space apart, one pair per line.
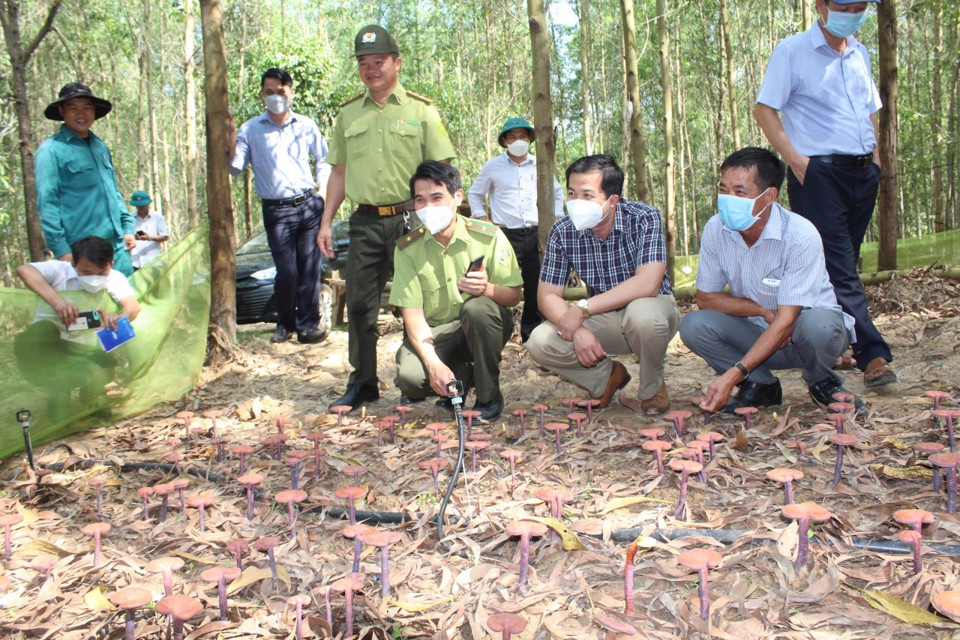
369, 37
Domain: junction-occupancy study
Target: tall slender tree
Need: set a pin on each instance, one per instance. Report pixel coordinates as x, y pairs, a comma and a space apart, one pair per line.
638, 153
889, 140
542, 115
669, 187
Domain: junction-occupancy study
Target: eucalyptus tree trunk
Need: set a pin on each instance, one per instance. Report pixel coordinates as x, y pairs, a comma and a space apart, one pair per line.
634, 108
936, 117
223, 242
153, 151
585, 76
542, 115
190, 112
889, 87
666, 85
729, 74
20, 53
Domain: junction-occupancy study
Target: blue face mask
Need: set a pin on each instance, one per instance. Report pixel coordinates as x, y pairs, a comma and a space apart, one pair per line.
736, 213
844, 24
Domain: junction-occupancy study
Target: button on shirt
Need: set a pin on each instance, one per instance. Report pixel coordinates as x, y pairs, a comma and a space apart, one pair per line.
825, 98
280, 155
77, 193
785, 266
152, 224
512, 189
636, 239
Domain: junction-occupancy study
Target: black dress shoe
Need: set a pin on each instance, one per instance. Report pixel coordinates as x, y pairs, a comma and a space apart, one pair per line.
445, 403
356, 394
405, 400
489, 410
755, 394
281, 335
313, 336
823, 394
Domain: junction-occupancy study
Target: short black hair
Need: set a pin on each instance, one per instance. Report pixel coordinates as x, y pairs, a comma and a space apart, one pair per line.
277, 74
611, 175
770, 169
92, 248
438, 172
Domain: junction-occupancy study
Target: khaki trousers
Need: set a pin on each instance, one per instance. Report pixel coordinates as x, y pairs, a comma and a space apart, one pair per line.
644, 328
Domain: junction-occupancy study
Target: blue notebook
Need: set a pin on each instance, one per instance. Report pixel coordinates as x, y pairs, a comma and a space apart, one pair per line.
110, 340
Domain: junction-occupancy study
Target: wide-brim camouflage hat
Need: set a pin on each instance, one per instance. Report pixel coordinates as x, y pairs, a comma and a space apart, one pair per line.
374, 39
514, 123
76, 90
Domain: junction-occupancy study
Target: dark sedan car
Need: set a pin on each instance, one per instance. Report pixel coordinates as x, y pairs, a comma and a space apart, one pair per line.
256, 273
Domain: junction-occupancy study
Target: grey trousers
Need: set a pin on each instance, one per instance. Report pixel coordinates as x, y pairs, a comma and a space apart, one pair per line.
819, 337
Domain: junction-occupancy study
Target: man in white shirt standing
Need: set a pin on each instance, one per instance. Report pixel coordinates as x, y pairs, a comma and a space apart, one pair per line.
509, 181
150, 230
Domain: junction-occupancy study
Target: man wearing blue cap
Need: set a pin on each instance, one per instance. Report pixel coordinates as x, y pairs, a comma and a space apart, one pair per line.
151, 230
509, 181
818, 107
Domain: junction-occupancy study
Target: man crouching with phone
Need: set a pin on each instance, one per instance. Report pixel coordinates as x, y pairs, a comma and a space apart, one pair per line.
454, 281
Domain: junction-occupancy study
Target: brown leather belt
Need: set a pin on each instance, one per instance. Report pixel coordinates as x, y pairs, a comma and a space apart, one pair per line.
385, 210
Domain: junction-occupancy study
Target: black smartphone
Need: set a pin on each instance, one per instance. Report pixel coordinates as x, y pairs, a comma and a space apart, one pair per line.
86, 320
475, 265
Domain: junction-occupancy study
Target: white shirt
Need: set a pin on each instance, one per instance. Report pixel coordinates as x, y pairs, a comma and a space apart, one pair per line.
512, 189
146, 250
825, 98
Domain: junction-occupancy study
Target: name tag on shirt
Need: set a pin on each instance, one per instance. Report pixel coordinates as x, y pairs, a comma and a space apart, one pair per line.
771, 282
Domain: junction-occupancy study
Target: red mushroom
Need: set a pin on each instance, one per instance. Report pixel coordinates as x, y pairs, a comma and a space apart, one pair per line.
237, 547
841, 440
937, 396
947, 415
520, 414
186, 416
506, 623
711, 438
785, 476
212, 415
98, 484
570, 403
7, 521
298, 602
165, 566
557, 428
470, 414
615, 628
181, 608
555, 498
702, 560
474, 446
579, 417
357, 531
266, 544
250, 482
348, 584
351, 495
403, 410
948, 462
242, 452
930, 448
948, 603
200, 503
747, 413
657, 448
130, 599
96, 529
293, 460
434, 465
678, 418
652, 433
685, 468
382, 540
525, 530
512, 456
355, 472
291, 497
805, 513
179, 484
340, 409
542, 410
220, 576
912, 538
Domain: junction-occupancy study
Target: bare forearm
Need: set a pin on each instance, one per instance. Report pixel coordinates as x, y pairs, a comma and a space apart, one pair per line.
726, 303
335, 193
504, 296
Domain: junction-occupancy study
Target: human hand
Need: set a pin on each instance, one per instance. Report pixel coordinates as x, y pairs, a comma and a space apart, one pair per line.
719, 391
110, 320
799, 167
67, 257
474, 282
129, 241
569, 323
588, 349
325, 240
66, 311
440, 375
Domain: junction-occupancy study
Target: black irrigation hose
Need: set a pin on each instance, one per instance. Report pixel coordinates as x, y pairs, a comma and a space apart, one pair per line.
203, 474
455, 387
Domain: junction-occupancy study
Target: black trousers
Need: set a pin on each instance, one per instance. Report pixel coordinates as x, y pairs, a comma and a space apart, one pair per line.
839, 201
292, 236
526, 244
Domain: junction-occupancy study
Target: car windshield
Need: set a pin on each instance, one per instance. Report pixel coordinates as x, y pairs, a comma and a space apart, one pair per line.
256, 244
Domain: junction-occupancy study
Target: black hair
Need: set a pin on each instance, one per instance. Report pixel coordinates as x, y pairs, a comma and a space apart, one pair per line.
439, 173
277, 74
92, 248
611, 175
770, 169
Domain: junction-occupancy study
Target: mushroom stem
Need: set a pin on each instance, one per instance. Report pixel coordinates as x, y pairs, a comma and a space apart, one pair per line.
628, 580
704, 595
385, 571
348, 595
682, 500
329, 610
837, 467
273, 565
298, 632
951, 489
357, 548
163, 507
524, 558
250, 502
222, 590
129, 626
803, 546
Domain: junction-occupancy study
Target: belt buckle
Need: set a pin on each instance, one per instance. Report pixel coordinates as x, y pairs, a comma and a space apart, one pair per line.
385, 211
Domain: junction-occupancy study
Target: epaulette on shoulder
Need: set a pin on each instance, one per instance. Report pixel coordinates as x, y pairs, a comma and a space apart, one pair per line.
353, 99
407, 240
482, 227
417, 96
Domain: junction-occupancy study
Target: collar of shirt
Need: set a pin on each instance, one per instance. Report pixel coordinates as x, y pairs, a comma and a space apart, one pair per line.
819, 40
460, 233
398, 96
530, 159
266, 119
773, 230
70, 136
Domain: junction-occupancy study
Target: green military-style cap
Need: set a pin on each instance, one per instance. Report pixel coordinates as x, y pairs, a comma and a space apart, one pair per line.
514, 123
374, 39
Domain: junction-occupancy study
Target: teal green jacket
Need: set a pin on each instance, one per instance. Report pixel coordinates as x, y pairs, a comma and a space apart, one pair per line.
77, 195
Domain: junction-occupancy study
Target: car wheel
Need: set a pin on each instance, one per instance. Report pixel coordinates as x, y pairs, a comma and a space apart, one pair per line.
326, 308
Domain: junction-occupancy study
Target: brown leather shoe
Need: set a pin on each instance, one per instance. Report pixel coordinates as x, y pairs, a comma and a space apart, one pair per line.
618, 380
658, 403
877, 373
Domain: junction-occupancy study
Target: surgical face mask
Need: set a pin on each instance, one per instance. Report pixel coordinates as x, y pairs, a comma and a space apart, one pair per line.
435, 218
518, 148
585, 214
843, 24
92, 284
736, 213
277, 104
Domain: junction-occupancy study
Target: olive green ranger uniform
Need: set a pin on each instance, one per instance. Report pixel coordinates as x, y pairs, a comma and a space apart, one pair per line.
381, 147
469, 332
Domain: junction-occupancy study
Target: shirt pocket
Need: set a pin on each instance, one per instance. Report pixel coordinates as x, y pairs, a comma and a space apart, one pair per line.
81, 176
354, 140
403, 140
769, 289
430, 289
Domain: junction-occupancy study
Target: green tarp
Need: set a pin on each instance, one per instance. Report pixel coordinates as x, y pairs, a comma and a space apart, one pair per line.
70, 388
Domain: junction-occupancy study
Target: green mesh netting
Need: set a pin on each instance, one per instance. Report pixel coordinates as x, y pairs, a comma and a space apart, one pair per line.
69, 387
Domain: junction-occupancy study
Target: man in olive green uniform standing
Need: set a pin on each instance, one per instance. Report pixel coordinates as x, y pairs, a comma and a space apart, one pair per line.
455, 279
379, 139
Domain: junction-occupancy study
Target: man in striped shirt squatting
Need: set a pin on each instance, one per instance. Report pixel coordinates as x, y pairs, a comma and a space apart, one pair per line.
617, 248
781, 311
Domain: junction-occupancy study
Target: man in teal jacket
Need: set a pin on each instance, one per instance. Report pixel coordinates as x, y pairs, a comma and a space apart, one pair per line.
77, 192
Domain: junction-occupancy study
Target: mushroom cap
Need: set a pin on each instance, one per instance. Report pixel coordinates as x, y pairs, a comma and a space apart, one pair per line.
179, 606
742, 411
913, 516
403, 409
290, 495
436, 427
711, 436
540, 407
377, 538
945, 414
166, 563
612, 624
314, 436
482, 437
355, 470
556, 426
300, 599
656, 445
391, 420
699, 445
784, 474
96, 528
549, 494
528, 527
45, 562
296, 457
476, 445
237, 545
10, 519
511, 454
351, 492
433, 463
341, 409
570, 401
908, 535
212, 413
185, 415
945, 459
97, 482
130, 598
652, 432
174, 457
215, 574
519, 412
266, 542
799, 510
359, 529
180, 483
351, 581
201, 500
510, 622
948, 603
470, 413
936, 394
589, 402
841, 407
842, 439
699, 558
250, 479
245, 449
682, 414
928, 447
690, 466
577, 415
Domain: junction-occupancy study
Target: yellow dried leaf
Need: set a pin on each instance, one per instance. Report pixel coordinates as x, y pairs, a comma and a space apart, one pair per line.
193, 558
568, 538
253, 575
97, 601
897, 444
40, 547
622, 503
902, 473
29, 516
899, 609
417, 607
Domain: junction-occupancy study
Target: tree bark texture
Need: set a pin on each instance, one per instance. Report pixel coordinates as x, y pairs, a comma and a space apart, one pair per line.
729, 75
669, 187
542, 115
190, 112
889, 88
634, 108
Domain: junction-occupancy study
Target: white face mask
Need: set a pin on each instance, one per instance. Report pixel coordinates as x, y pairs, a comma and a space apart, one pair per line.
92, 284
585, 214
435, 218
518, 148
277, 104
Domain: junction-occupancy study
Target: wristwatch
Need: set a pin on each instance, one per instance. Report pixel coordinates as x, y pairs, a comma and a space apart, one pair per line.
584, 305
